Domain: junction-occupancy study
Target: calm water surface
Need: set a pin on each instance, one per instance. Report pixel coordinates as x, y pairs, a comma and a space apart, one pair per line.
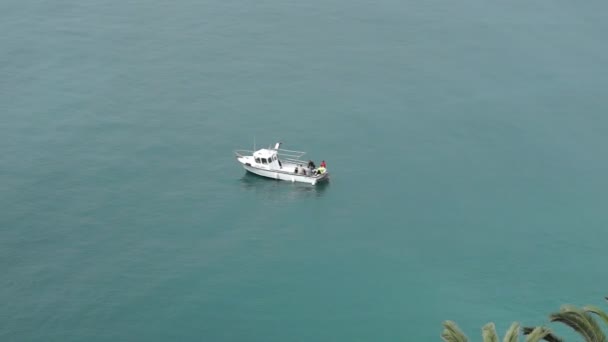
466, 141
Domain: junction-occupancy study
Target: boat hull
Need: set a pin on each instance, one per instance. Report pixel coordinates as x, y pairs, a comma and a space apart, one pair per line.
286, 176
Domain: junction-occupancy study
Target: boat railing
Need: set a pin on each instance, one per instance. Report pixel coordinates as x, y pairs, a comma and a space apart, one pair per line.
295, 161
286, 155
290, 154
243, 153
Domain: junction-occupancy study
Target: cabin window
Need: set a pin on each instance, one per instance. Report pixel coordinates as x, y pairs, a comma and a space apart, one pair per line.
264, 161
257, 160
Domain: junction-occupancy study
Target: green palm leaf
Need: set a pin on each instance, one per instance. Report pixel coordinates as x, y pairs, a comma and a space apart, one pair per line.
512, 334
488, 332
597, 311
451, 333
538, 334
549, 337
581, 322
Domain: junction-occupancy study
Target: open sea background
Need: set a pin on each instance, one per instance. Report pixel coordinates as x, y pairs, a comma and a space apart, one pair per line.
466, 140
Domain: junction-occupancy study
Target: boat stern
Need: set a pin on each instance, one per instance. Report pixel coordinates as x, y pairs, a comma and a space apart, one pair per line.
320, 178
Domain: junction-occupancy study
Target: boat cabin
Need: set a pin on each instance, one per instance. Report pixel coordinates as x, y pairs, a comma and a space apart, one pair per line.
267, 159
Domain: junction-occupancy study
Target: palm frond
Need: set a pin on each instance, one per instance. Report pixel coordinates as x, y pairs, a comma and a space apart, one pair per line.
488, 332
538, 334
512, 334
597, 311
550, 337
452, 333
581, 321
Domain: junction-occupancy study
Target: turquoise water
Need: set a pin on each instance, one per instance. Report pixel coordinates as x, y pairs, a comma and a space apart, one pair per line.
466, 141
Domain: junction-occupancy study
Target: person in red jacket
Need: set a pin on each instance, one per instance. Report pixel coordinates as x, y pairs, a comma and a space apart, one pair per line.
323, 164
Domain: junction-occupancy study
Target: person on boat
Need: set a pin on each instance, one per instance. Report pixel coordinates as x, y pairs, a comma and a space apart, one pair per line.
311, 164
323, 165
321, 170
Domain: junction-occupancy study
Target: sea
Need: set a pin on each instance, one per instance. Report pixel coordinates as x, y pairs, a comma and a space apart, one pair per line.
466, 142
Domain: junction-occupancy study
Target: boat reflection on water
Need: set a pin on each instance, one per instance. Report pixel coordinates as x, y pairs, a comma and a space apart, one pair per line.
281, 190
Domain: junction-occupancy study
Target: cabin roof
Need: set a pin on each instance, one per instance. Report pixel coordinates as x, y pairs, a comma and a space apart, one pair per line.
264, 153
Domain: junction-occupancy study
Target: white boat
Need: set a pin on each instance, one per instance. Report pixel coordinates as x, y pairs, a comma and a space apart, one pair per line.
281, 164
